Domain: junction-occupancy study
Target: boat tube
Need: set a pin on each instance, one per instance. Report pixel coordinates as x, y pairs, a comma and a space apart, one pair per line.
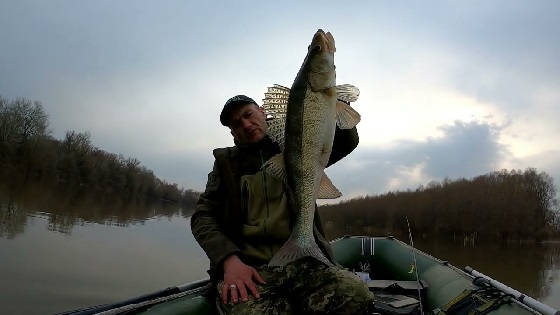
387, 266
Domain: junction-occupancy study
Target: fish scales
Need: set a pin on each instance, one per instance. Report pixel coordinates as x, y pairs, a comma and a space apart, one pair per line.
309, 134
315, 151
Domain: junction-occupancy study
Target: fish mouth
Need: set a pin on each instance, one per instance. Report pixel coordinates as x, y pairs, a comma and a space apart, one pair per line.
322, 42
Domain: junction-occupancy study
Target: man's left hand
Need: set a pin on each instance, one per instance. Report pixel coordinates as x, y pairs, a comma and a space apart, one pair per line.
238, 277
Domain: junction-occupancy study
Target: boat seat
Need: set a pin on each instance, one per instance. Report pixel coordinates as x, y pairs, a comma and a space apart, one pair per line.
396, 296
395, 284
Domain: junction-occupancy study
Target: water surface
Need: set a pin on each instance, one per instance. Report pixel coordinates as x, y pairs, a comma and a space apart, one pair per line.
53, 262
531, 268
65, 251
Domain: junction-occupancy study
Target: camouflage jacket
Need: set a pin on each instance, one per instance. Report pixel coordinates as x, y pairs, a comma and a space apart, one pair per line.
219, 218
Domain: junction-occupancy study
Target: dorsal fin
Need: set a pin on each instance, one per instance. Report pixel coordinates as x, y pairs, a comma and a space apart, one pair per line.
275, 104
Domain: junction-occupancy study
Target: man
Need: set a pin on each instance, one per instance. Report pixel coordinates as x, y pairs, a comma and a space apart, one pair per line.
242, 219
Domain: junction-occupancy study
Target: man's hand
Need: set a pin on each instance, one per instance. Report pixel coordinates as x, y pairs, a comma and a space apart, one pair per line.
238, 277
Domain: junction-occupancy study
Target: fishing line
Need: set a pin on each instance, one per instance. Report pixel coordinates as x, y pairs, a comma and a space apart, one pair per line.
415, 266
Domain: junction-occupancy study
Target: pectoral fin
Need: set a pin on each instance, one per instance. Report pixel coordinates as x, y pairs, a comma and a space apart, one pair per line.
327, 189
275, 166
346, 116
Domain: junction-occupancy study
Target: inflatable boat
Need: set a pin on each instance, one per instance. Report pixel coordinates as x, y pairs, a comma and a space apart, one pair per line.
404, 280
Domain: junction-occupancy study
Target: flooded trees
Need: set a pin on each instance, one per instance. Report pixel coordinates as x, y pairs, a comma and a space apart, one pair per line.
28, 154
502, 205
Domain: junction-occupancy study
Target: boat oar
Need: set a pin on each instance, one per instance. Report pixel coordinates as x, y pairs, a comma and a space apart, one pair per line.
523, 298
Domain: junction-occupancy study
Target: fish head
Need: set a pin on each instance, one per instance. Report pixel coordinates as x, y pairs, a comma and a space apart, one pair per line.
320, 57
323, 42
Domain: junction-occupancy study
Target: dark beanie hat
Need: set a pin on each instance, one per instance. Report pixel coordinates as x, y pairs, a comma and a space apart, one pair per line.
231, 104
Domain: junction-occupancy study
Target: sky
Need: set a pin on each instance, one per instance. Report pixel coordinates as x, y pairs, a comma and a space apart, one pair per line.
449, 89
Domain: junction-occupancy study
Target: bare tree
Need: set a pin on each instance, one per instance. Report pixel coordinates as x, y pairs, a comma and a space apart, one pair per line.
77, 142
21, 120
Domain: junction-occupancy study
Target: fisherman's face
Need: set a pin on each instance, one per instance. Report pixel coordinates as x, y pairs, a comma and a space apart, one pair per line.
248, 124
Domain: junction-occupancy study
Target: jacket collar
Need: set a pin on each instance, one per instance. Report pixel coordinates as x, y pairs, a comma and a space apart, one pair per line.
266, 142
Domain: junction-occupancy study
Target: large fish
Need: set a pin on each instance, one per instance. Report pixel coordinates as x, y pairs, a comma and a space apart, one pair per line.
309, 126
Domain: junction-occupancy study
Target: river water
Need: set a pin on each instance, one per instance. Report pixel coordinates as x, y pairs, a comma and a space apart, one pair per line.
60, 252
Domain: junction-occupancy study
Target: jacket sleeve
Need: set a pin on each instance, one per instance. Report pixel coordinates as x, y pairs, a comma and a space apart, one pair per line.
205, 224
345, 141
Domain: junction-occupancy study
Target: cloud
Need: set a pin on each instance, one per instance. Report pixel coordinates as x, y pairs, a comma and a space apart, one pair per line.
546, 161
464, 150
147, 80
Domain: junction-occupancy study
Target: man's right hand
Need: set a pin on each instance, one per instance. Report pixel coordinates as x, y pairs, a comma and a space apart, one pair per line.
238, 278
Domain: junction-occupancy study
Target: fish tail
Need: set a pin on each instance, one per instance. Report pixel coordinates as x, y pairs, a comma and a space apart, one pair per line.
292, 251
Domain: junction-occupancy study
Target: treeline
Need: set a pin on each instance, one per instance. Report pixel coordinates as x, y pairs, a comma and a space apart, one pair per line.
505, 205
29, 154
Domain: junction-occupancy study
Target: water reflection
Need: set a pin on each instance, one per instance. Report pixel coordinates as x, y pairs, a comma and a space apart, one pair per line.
65, 251
66, 209
528, 267
12, 219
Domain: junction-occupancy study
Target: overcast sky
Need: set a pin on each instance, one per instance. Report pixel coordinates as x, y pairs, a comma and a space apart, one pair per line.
448, 88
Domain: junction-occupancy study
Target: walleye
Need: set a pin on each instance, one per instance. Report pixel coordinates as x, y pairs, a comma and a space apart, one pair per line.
309, 125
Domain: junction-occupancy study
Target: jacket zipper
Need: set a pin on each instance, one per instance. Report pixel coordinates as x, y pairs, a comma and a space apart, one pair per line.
265, 195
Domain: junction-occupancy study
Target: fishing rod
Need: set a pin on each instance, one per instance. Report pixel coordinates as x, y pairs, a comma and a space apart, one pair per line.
415, 266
